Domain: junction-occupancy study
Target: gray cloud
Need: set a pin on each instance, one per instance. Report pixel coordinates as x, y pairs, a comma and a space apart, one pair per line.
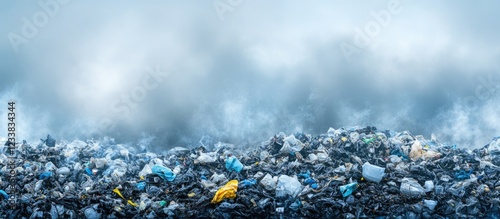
267, 67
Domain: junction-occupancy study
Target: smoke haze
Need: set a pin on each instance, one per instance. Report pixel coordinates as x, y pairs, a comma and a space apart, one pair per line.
265, 67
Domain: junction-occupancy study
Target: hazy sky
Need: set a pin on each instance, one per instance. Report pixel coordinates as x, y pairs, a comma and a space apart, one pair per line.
241, 71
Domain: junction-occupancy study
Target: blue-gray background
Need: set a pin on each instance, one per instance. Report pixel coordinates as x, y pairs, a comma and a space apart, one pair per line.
266, 67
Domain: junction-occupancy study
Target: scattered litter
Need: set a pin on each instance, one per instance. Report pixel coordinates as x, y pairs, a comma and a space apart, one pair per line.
348, 172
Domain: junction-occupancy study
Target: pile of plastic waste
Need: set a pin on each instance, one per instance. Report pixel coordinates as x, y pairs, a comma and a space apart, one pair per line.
345, 173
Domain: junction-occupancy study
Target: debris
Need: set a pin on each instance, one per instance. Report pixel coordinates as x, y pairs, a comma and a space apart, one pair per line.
228, 191
373, 173
348, 172
233, 164
163, 172
348, 189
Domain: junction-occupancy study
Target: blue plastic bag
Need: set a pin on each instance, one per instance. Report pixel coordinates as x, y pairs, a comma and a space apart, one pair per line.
346, 190
163, 172
45, 175
233, 164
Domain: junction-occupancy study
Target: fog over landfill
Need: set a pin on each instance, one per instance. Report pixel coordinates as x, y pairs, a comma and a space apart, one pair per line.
242, 71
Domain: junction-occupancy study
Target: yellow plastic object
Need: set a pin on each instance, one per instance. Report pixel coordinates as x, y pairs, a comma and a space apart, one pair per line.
227, 191
130, 202
118, 193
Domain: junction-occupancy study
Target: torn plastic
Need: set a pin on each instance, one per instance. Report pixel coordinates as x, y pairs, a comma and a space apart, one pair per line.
348, 189
373, 173
288, 186
411, 187
228, 191
269, 182
206, 157
418, 152
163, 172
233, 164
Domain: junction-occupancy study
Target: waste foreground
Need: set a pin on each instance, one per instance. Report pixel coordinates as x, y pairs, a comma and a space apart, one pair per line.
345, 173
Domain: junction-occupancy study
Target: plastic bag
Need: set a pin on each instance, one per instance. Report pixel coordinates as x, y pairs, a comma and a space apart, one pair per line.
288, 185
227, 191
411, 187
207, 157
417, 152
163, 172
291, 145
269, 182
233, 164
373, 173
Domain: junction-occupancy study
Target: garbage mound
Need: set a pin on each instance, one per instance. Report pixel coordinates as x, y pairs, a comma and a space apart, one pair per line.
345, 173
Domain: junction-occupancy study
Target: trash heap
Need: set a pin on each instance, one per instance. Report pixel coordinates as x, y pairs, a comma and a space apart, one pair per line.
345, 173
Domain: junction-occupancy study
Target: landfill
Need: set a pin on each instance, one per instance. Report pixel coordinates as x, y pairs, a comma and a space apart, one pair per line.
345, 173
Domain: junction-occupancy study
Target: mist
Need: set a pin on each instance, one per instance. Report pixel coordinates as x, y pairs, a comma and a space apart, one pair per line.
242, 71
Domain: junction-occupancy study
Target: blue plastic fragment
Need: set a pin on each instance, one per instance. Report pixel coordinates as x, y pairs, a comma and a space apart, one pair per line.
203, 177
310, 181
462, 174
348, 189
45, 175
88, 171
141, 185
248, 182
4, 194
163, 172
314, 185
233, 164
304, 175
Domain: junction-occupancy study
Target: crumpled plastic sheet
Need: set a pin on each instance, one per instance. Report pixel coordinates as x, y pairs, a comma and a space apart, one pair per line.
228, 191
